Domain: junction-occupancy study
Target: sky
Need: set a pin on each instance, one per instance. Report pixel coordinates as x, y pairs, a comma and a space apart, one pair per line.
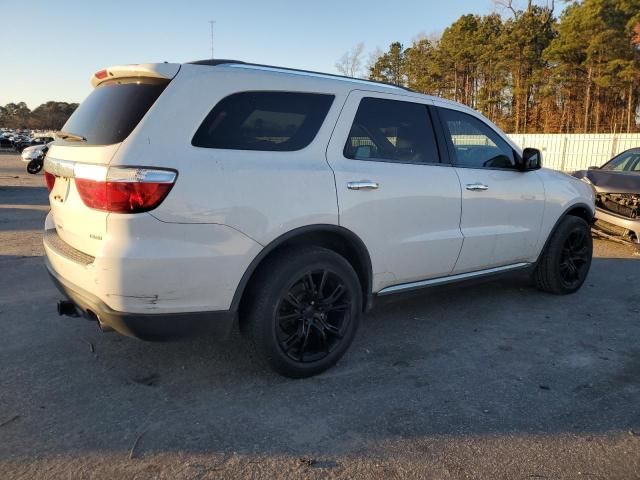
50, 49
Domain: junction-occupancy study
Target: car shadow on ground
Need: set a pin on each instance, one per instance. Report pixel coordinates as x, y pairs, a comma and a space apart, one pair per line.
24, 195
23, 218
494, 357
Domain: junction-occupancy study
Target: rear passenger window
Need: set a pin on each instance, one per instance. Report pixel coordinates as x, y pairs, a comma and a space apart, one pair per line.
475, 144
391, 130
269, 121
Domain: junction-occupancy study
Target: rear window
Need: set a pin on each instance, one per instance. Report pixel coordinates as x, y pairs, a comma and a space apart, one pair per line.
111, 112
269, 121
392, 130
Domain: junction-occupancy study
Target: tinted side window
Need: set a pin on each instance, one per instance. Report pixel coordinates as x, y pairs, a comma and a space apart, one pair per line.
392, 130
625, 162
270, 121
475, 143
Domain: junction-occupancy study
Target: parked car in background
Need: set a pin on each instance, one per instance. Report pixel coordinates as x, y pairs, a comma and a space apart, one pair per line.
219, 190
34, 157
21, 145
617, 190
6, 144
34, 151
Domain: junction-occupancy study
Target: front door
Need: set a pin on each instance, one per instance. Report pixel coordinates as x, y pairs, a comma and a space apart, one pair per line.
502, 207
393, 190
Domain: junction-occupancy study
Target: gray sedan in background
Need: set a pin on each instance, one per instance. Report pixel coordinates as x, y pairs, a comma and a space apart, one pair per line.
617, 188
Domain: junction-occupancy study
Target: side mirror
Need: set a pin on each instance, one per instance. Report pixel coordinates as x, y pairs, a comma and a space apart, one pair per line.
531, 159
593, 167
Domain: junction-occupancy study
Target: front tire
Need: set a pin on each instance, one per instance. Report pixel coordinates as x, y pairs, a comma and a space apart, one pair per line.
304, 308
564, 265
34, 166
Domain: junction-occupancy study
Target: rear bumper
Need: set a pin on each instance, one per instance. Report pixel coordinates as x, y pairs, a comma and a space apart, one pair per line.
145, 266
165, 326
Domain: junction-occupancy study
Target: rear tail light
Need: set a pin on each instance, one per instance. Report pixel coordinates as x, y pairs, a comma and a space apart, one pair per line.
50, 180
121, 189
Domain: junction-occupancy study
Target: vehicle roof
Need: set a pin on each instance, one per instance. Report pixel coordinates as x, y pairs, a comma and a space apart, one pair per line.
371, 84
169, 70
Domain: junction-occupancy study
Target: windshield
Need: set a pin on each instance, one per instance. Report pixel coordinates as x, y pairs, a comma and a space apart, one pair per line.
625, 162
111, 112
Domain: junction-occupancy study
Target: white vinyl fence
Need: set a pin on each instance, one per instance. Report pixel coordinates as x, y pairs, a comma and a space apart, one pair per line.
569, 152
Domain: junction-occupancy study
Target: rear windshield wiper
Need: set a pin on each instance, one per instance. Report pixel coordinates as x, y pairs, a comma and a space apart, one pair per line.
70, 136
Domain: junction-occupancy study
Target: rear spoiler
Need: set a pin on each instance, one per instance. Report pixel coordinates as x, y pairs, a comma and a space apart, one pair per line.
153, 70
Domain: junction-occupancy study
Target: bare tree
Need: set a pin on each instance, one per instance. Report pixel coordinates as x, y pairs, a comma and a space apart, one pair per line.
511, 6
351, 63
372, 59
506, 5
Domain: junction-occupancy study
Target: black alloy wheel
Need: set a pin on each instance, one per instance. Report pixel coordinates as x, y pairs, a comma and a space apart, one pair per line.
575, 257
564, 264
302, 310
313, 315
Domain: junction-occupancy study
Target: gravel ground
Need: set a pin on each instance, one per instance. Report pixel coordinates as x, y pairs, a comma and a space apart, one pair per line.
486, 380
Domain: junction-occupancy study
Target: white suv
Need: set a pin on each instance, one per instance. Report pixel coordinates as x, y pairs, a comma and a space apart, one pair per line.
186, 196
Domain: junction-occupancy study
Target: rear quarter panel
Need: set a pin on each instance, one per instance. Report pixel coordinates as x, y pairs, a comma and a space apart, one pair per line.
262, 194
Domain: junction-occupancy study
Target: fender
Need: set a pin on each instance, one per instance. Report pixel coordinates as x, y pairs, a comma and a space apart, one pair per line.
353, 242
575, 206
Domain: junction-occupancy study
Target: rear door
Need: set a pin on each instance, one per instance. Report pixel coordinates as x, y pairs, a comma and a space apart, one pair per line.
502, 207
87, 143
393, 190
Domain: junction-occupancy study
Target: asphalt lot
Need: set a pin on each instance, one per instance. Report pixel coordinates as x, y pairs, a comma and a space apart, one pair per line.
489, 380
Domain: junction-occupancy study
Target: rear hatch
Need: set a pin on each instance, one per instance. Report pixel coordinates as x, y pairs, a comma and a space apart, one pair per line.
89, 140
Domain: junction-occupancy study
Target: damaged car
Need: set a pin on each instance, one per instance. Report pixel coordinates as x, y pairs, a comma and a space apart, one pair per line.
617, 189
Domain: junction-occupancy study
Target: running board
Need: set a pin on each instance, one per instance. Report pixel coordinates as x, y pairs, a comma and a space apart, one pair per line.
451, 278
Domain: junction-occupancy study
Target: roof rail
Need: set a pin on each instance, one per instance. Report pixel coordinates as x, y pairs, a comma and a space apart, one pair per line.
216, 62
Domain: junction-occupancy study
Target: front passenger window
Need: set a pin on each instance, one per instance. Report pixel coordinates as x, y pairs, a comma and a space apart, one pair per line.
476, 145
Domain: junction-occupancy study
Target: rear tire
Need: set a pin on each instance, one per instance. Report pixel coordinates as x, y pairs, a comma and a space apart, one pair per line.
563, 266
303, 310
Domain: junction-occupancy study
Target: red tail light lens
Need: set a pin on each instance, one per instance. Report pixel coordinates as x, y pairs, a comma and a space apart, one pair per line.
126, 190
50, 180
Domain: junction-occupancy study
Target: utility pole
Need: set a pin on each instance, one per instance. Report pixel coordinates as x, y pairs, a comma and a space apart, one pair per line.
211, 22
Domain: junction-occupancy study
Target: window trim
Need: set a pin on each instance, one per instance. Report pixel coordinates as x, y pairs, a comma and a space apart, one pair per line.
451, 147
332, 95
434, 126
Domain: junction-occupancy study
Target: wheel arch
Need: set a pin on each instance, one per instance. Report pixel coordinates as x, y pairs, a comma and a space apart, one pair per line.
333, 237
579, 209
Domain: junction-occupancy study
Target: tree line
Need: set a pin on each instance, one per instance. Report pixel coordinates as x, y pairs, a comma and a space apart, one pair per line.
48, 116
528, 70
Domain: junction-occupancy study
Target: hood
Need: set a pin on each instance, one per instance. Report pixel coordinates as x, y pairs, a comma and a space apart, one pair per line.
607, 181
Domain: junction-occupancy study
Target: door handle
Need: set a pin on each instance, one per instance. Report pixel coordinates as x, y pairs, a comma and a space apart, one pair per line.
477, 187
363, 185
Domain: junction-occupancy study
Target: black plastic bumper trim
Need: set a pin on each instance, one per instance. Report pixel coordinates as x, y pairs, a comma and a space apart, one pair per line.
155, 327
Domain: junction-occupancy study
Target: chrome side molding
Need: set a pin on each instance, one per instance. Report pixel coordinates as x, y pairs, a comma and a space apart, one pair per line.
451, 278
